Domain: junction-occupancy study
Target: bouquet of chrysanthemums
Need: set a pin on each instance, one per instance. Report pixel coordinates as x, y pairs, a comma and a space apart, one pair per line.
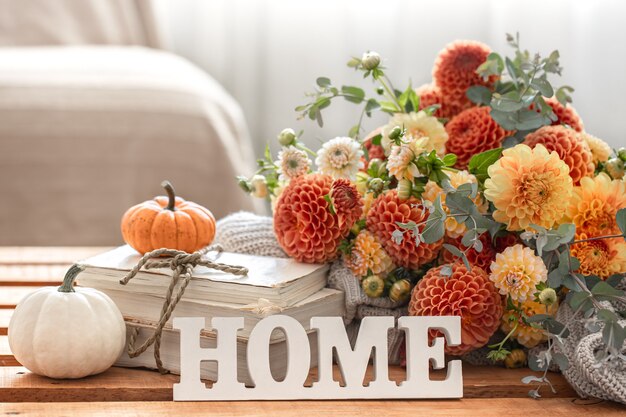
483, 197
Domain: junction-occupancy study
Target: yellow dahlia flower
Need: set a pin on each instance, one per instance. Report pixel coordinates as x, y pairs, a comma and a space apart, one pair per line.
367, 256
517, 271
528, 186
525, 334
454, 229
602, 257
600, 150
417, 125
595, 203
401, 158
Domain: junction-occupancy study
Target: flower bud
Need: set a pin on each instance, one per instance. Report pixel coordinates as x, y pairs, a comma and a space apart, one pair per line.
287, 137
376, 185
380, 91
361, 182
258, 186
370, 60
373, 286
374, 165
400, 290
395, 133
243, 183
404, 189
621, 154
515, 359
615, 168
547, 296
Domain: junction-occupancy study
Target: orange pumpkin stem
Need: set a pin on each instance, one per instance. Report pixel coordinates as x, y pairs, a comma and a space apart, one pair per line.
171, 205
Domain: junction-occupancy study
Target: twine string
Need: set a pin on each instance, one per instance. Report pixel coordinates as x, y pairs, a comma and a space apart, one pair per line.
182, 264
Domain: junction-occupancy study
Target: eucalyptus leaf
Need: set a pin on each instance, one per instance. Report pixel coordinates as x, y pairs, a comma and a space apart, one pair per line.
620, 217
323, 82
479, 94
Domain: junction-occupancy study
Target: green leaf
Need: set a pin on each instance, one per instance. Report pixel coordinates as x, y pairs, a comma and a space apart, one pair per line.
620, 217
459, 205
580, 300
602, 289
480, 163
353, 94
561, 360
566, 231
449, 159
479, 94
493, 65
563, 94
389, 107
376, 139
507, 105
458, 253
371, 105
323, 82
433, 230
543, 86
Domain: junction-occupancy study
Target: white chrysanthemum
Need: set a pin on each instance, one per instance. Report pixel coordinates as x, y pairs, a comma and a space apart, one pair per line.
417, 125
600, 150
292, 162
340, 158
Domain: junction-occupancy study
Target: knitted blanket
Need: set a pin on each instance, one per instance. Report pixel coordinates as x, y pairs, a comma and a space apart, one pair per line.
248, 233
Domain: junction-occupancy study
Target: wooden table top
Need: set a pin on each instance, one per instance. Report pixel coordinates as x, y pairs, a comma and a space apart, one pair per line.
488, 391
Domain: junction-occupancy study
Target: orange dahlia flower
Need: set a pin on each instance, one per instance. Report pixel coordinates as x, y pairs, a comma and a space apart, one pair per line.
473, 131
570, 147
455, 69
480, 259
566, 115
528, 186
602, 257
304, 224
382, 221
468, 294
528, 335
594, 205
430, 94
367, 255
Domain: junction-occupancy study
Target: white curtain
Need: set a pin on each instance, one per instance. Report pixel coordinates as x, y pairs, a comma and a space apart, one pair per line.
267, 53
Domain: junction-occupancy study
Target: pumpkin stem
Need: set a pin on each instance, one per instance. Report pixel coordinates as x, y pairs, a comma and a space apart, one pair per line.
171, 205
70, 275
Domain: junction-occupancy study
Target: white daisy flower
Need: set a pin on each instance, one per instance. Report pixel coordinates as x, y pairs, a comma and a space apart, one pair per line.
340, 158
292, 162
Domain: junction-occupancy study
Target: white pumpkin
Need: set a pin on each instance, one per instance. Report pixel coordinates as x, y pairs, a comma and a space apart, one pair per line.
67, 332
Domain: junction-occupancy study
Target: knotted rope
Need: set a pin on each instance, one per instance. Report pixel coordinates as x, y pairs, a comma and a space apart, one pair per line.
182, 263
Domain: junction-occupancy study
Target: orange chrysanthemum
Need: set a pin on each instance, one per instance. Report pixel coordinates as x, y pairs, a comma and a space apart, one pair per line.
594, 205
455, 69
480, 259
528, 335
304, 224
468, 294
528, 186
517, 271
382, 221
430, 94
473, 131
367, 255
570, 147
602, 257
566, 115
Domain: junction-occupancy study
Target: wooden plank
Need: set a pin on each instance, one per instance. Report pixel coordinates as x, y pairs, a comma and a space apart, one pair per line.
43, 255
6, 357
10, 296
121, 384
40, 275
509, 407
5, 317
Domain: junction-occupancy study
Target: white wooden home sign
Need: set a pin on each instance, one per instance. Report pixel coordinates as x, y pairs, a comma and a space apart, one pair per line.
331, 336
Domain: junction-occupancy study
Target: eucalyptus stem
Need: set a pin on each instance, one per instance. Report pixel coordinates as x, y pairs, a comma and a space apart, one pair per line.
390, 93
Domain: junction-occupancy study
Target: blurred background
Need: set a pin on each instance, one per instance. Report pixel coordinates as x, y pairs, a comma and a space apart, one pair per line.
100, 100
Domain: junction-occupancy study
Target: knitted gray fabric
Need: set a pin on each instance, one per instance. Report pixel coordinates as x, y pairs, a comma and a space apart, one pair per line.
252, 234
588, 376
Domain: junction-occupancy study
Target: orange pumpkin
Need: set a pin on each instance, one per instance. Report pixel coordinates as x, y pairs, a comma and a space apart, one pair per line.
168, 222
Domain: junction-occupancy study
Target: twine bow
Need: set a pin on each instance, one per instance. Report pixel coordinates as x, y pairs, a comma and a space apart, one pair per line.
182, 263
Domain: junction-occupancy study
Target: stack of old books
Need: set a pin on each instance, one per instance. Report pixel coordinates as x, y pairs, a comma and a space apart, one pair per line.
272, 286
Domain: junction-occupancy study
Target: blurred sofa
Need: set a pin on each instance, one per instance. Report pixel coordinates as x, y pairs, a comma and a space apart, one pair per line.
94, 115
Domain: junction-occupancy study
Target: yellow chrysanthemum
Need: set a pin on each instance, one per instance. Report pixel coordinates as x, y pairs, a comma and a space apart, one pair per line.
517, 271
602, 257
367, 255
528, 186
600, 150
417, 125
595, 203
527, 335
454, 229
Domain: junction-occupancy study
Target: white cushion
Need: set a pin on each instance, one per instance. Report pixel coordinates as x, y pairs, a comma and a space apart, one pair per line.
86, 132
